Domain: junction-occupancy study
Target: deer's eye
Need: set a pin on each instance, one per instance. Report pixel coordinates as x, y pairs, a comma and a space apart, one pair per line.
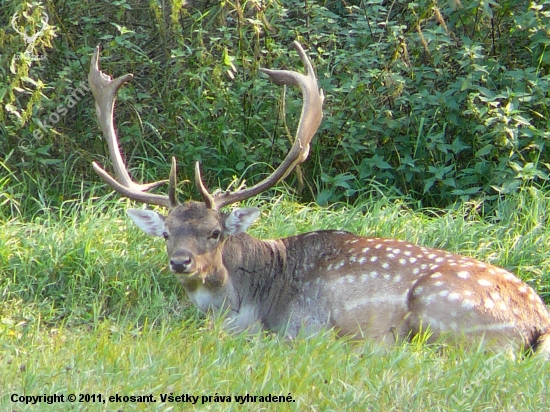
165, 235
215, 235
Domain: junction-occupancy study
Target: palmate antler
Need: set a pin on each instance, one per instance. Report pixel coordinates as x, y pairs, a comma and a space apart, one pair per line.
105, 90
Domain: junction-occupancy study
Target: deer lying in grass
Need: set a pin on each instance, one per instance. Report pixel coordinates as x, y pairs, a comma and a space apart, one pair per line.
383, 289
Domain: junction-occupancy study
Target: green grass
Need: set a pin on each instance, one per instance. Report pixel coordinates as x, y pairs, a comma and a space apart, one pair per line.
88, 308
320, 373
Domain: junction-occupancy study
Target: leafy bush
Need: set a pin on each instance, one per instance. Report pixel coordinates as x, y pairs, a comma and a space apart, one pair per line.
441, 101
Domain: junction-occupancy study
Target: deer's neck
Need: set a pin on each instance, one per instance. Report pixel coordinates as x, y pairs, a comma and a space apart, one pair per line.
254, 267
239, 283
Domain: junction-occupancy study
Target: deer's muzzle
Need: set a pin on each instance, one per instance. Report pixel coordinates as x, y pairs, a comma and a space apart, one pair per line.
182, 263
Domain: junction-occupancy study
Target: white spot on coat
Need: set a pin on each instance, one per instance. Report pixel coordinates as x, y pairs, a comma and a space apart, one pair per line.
508, 276
463, 274
418, 291
454, 296
375, 300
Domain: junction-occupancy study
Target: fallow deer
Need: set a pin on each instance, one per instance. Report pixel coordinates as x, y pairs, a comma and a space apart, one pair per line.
383, 289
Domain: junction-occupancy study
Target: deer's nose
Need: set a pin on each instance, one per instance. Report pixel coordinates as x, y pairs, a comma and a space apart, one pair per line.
181, 263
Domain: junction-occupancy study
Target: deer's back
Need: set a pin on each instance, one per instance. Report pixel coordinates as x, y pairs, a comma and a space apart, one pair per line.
386, 288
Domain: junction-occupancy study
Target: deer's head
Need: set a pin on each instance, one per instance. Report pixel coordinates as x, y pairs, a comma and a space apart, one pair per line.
194, 234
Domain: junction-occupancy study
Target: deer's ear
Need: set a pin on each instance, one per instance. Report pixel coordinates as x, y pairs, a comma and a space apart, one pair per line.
150, 222
240, 219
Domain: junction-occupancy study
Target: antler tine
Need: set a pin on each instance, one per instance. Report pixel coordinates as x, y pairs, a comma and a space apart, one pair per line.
105, 90
310, 119
207, 197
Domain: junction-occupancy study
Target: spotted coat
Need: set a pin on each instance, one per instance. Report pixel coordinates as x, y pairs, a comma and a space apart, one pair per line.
383, 289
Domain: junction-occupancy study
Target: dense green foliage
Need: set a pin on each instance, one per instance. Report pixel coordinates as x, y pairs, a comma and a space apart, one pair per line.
438, 100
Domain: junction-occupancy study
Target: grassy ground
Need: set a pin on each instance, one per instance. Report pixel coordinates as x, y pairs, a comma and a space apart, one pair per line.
87, 307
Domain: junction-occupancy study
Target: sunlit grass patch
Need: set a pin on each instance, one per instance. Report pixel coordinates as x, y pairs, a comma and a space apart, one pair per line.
319, 373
